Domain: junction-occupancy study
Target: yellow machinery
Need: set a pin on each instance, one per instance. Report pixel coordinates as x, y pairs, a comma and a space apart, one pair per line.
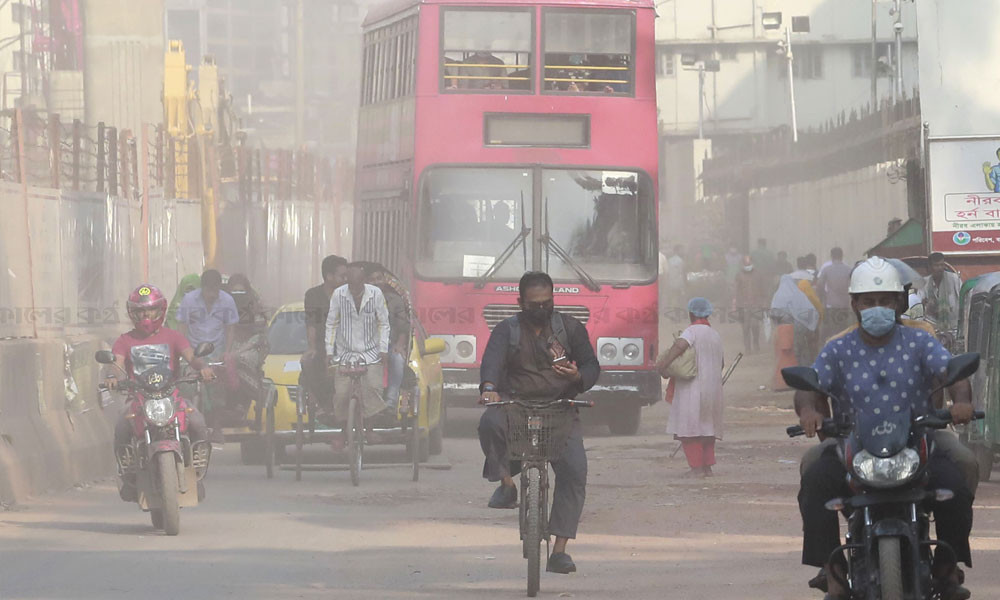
182, 124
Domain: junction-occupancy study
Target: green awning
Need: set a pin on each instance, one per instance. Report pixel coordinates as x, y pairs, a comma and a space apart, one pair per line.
906, 241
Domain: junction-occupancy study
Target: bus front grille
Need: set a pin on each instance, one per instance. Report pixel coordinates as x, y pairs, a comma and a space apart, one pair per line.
494, 313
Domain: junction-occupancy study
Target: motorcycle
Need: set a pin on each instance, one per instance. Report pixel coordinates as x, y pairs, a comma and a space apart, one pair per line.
888, 551
168, 468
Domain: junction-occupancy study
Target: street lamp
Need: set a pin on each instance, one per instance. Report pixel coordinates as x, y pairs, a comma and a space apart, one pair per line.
709, 65
772, 21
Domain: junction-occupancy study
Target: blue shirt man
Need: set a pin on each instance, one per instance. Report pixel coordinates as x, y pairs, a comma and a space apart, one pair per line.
885, 379
208, 314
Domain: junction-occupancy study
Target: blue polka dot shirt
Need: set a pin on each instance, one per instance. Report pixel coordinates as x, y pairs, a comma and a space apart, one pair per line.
885, 379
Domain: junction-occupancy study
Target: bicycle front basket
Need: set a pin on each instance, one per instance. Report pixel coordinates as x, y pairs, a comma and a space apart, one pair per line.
538, 433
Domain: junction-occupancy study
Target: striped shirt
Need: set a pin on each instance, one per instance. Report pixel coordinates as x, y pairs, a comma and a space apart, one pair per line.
351, 333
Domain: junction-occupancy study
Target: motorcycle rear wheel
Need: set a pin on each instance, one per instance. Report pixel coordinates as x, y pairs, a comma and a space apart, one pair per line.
890, 566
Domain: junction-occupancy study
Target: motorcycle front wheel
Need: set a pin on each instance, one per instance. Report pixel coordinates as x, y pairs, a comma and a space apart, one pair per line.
890, 567
166, 467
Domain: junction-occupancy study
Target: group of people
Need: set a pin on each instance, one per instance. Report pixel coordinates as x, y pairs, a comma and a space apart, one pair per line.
359, 315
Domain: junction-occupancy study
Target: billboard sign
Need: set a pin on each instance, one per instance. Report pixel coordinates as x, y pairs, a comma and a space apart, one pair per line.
965, 195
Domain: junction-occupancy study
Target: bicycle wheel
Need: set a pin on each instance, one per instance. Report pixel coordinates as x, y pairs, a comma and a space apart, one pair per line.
415, 448
269, 442
299, 440
533, 533
355, 439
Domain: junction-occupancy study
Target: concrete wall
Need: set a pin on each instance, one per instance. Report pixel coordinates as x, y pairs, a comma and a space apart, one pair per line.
53, 432
124, 46
850, 210
70, 269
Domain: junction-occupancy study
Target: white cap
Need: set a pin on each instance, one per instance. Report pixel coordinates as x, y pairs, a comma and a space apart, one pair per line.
875, 275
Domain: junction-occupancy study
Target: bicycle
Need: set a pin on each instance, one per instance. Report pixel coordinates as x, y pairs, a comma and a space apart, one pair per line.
536, 436
355, 419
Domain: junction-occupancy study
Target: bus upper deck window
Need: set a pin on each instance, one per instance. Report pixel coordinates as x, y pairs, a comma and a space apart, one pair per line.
588, 51
486, 50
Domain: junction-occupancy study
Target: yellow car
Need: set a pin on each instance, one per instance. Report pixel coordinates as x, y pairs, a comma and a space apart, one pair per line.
286, 336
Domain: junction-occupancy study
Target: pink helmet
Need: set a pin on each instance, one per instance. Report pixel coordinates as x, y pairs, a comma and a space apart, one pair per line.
143, 298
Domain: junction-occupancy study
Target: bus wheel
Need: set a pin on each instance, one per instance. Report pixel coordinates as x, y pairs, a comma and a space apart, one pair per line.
625, 420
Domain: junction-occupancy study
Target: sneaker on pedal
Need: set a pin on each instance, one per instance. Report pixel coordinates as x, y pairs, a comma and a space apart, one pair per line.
560, 562
504, 497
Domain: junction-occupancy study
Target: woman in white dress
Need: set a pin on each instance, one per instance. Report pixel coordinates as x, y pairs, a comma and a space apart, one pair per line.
696, 409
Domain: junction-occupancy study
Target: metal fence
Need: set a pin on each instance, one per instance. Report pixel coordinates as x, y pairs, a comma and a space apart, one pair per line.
93, 210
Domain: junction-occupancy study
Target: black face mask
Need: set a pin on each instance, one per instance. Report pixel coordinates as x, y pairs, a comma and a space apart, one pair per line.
538, 315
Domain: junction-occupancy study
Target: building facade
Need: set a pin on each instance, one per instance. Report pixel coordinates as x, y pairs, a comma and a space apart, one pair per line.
749, 93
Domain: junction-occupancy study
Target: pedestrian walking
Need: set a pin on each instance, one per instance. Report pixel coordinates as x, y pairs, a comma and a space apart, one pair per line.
832, 284
748, 303
696, 403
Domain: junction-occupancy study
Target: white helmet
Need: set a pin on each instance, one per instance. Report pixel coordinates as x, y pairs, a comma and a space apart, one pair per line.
875, 275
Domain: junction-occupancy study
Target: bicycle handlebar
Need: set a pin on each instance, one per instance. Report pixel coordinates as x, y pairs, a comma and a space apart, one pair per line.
549, 404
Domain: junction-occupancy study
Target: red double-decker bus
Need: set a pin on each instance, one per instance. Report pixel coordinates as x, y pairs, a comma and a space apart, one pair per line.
497, 137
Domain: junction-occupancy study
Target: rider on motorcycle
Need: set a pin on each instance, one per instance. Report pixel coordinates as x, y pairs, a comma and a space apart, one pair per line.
147, 345
883, 366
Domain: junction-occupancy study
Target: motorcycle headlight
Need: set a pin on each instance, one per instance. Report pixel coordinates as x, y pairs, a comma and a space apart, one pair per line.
886, 472
159, 411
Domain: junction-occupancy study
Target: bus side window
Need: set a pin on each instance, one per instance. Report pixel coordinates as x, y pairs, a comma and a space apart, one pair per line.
485, 50
588, 51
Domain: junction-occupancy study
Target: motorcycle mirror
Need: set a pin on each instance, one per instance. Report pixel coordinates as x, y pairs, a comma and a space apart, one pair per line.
802, 378
962, 367
105, 357
204, 349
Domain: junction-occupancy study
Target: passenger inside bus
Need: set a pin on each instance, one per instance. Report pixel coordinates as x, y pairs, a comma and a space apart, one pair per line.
499, 224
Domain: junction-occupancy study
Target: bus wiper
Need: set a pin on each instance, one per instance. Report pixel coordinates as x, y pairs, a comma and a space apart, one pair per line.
558, 250
555, 248
503, 257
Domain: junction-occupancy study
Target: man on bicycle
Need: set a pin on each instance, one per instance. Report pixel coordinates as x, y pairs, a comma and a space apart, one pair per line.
357, 332
538, 353
317, 309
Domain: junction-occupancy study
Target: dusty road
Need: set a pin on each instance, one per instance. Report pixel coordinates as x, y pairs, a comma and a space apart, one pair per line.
646, 533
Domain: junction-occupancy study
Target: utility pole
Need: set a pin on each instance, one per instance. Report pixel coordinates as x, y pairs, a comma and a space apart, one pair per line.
300, 78
874, 67
897, 28
791, 83
701, 102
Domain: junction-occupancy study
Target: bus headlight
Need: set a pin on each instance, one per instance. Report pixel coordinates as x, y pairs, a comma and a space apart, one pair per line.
465, 349
458, 349
625, 352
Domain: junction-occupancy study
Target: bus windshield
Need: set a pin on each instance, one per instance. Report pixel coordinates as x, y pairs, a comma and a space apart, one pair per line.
468, 217
605, 220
